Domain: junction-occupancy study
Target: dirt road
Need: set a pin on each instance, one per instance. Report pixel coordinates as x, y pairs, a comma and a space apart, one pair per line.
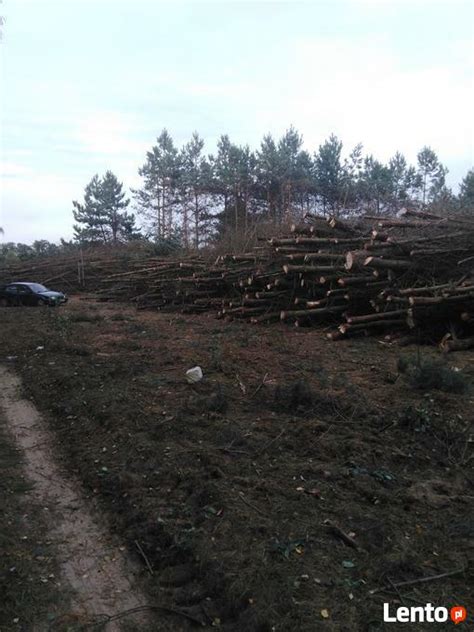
94, 566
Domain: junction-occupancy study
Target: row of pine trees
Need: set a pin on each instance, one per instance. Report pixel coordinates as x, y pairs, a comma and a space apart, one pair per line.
194, 198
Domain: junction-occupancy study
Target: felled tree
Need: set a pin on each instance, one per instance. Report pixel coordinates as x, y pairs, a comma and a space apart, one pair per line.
102, 216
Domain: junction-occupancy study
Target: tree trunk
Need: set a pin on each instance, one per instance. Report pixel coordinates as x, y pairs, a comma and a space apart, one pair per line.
196, 219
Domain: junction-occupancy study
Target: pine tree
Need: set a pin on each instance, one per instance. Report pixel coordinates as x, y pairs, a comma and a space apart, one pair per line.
244, 166
351, 176
375, 184
233, 180
404, 181
304, 188
158, 198
91, 221
431, 175
329, 174
194, 181
466, 191
43, 247
268, 174
289, 148
102, 216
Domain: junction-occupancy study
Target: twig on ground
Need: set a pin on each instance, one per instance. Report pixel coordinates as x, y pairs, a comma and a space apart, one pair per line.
267, 445
396, 590
242, 386
338, 532
106, 618
142, 553
420, 580
249, 504
232, 451
259, 386
387, 427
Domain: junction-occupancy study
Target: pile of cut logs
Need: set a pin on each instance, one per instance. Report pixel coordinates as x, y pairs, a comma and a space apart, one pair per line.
84, 269
410, 278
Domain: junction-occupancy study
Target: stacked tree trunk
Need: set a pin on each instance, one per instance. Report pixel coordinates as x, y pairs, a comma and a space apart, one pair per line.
408, 277
84, 269
409, 274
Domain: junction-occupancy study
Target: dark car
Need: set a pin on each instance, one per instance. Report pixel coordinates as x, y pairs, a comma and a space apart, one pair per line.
22, 293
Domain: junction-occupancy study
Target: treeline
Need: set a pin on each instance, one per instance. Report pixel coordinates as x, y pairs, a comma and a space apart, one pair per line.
190, 199
11, 251
197, 198
207, 196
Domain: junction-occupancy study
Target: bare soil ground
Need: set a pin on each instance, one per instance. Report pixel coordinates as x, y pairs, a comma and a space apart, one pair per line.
30, 587
222, 490
92, 566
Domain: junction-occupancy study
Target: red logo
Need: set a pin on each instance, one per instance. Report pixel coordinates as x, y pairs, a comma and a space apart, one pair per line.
458, 614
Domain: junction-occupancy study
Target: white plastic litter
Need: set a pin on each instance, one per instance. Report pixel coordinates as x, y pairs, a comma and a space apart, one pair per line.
194, 375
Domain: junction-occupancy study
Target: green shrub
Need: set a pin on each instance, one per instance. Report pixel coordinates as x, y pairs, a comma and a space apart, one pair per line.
294, 396
84, 317
120, 317
214, 402
432, 374
418, 419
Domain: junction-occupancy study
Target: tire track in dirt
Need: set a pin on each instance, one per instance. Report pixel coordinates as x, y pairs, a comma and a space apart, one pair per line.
92, 563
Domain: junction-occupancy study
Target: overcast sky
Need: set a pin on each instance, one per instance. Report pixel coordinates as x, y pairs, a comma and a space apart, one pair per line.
87, 85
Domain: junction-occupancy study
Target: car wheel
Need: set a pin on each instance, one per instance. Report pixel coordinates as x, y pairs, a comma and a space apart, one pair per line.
42, 303
4, 302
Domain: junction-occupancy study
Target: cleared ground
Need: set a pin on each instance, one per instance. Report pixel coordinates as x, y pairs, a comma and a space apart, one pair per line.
222, 490
91, 566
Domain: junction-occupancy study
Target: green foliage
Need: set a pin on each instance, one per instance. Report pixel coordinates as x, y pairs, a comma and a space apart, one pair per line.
375, 184
431, 174
215, 402
418, 419
216, 355
432, 374
190, 199
84, 317
102, 217
11, 252
294, 396
329, 173
287, 547
158, 198
466, 191
120, 317
234, 169
194, 180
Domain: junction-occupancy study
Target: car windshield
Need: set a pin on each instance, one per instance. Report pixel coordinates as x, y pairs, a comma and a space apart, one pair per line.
37, 287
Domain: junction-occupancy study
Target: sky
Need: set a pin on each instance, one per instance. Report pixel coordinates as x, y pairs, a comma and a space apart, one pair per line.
87, 86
